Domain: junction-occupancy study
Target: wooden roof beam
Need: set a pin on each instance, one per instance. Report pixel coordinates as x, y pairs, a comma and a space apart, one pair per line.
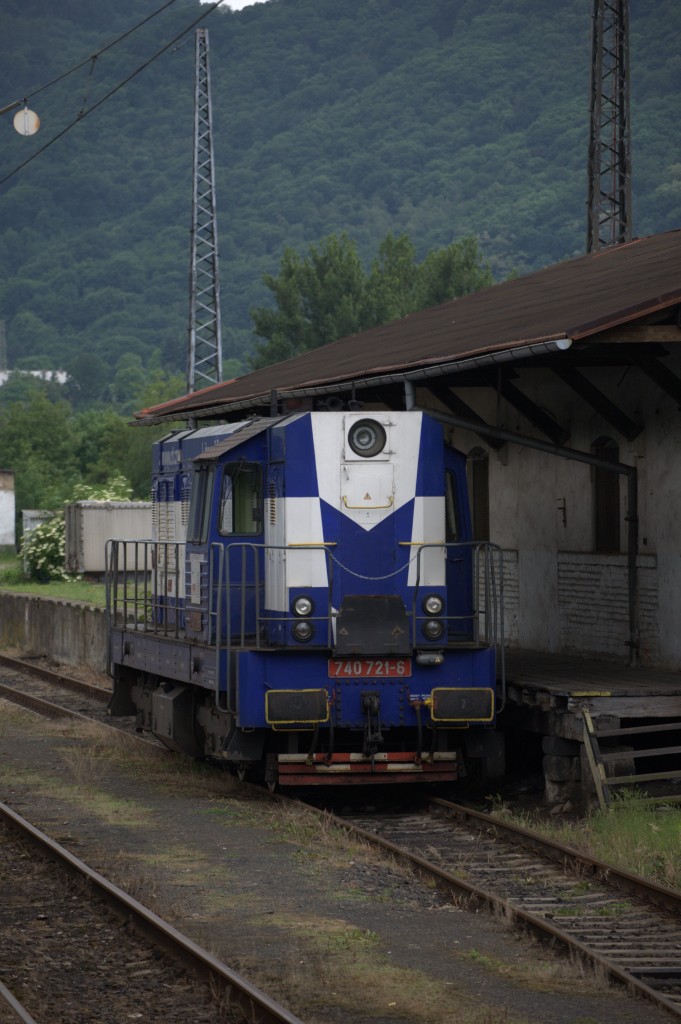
660, 375
622, 423
459, 408
646, 334
538, 417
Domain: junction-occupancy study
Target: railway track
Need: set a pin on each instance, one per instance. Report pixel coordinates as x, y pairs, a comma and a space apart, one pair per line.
63, 951
56, 695
629, 928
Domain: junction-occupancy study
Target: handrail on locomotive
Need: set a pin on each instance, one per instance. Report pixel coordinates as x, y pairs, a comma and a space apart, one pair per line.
145, 579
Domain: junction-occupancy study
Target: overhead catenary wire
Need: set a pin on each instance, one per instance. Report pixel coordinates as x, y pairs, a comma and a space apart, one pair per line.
92, 57
83, 113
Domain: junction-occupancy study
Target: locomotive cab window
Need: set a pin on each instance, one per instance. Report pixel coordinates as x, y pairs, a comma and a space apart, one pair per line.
453, 516
241, 499
199, 509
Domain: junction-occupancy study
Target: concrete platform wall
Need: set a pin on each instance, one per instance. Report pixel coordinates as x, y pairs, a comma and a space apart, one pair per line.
69, 632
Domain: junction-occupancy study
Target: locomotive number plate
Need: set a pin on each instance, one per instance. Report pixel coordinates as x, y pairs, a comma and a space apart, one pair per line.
369, 668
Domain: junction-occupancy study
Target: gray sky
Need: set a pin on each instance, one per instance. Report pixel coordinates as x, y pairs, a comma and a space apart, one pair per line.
238, 5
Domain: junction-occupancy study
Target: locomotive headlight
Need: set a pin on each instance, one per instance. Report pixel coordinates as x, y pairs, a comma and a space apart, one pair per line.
367, 438
433, 604
432, 629
302, 631
303, 606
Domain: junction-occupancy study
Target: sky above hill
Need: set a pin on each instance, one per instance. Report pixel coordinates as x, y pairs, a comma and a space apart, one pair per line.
238, 5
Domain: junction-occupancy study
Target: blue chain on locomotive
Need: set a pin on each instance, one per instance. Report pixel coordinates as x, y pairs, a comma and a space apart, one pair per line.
311, 606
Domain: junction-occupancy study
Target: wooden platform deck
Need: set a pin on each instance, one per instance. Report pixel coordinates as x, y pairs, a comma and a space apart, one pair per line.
570, 675
565, 683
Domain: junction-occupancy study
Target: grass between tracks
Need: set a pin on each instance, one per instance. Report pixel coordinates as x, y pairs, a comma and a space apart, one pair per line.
321, 963
638, 837
76, 589
634, 835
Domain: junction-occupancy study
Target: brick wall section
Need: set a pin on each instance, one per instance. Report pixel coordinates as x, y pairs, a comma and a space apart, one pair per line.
511, 598
593, 599
67, 631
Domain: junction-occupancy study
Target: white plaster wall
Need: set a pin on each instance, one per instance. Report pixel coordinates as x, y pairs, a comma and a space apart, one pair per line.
569, 598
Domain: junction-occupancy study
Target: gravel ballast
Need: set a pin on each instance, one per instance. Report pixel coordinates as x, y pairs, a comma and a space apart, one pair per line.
324, 926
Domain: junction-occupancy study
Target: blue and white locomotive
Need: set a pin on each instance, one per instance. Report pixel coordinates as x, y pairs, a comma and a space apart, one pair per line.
311, 608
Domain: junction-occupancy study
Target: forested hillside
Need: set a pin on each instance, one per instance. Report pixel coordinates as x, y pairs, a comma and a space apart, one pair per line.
438, 118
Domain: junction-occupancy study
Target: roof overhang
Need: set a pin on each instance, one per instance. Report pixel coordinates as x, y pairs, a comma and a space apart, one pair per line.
587, 303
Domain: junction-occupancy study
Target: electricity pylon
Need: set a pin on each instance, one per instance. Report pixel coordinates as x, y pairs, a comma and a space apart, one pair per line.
204, 364
609, 186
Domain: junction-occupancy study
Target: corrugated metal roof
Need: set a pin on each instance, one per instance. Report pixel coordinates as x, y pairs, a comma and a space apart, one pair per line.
574, 299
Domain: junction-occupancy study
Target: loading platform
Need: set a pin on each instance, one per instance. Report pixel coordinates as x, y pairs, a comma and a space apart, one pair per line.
563, 684
603, 723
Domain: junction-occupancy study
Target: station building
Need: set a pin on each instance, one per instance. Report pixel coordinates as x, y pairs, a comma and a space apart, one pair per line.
563, 387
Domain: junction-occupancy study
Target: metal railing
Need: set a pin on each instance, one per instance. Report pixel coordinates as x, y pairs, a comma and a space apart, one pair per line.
145, 586
254, 627
483, 624
225, 589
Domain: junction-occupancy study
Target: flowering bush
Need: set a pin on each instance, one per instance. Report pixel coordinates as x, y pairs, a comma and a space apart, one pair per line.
117, 488
43, 549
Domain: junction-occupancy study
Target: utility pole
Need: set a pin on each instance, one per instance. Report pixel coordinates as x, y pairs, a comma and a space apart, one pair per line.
609, 171
204, 363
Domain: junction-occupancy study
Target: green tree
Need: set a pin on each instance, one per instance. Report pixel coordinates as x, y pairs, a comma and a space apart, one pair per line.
38, 440
392, 284
327, 294
108, 445
319, 297
451, 272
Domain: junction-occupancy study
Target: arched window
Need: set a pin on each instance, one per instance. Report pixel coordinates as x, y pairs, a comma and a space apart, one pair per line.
606, 497
477, 473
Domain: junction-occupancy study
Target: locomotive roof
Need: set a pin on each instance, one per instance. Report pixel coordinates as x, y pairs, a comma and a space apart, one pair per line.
591, 298
239, 437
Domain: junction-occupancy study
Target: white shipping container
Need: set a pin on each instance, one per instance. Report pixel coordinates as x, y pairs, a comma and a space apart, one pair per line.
90, 524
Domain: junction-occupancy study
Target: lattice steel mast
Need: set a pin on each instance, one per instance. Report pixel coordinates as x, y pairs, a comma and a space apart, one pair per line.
609, 199
204, 364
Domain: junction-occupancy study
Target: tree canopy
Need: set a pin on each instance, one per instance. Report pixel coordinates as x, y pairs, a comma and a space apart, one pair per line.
327, 294
55, 448
437, 120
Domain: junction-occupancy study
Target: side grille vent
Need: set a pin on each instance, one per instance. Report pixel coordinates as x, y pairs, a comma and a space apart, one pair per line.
185, 495
273, 504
